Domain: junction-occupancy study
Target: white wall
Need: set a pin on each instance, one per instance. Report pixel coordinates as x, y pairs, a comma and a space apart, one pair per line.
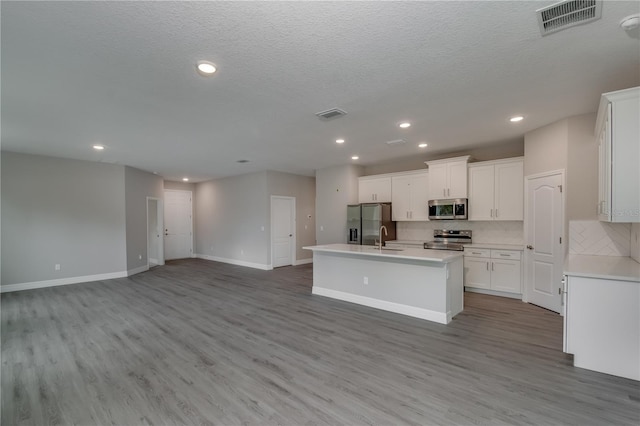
336, 187
138, 186
303, 188
546, 148
60, 211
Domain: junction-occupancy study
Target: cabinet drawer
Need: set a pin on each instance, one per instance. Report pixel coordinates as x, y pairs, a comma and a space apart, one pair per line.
505, 254
477, 253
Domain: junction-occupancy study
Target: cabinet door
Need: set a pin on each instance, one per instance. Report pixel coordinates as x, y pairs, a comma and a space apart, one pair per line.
457, 179
625, 153
420, 197
476, 272
509, 191
438, 181
401, 198
481, 186
376, 190
505, 275
604, 181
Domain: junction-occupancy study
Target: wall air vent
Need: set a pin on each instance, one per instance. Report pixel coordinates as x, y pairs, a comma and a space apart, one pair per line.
330, 114
566, 14
396, 142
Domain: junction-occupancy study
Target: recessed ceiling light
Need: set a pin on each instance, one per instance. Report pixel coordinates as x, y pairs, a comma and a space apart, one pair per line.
422, 145
339, 140
185, 179
516, 119
404, 125
355, 157
206, 68
98, 147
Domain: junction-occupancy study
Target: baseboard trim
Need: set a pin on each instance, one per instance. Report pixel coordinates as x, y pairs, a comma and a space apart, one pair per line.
303, 261
235, 262
412, 311
494, 293
153, 261
61, 281
143, 268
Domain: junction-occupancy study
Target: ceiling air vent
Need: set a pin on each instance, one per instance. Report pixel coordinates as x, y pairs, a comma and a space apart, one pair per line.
330, 114
567, 14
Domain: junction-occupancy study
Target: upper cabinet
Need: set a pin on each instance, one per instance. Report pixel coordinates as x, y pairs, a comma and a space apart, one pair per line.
448, 178
374, 189
496, 190
618, 133
409, 196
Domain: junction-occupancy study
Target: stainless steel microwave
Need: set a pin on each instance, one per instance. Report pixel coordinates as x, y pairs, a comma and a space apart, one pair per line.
453, 209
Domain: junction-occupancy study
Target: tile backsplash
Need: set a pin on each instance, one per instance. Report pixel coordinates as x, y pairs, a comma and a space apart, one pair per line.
591, 237
499, 232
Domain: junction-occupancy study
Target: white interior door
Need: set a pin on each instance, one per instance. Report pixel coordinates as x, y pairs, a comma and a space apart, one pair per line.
545, 253
283, 230
155, 223
178, 239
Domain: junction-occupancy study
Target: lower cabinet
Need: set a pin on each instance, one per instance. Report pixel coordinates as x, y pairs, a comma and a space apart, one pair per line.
497, 270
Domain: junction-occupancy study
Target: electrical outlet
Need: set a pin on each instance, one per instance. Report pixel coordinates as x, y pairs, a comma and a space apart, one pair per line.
139, 257
366, 280
57, 267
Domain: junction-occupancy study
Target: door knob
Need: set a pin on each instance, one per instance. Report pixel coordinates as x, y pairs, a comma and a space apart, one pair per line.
530, 247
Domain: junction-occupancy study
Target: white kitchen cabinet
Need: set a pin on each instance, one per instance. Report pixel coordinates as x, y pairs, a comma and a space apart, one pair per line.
448, 178
618, 133
409, 196
495, 270
374, 189
602, 324
496, 190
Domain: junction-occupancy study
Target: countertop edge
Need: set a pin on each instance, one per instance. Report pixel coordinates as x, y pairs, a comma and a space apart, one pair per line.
449, 257
590, 266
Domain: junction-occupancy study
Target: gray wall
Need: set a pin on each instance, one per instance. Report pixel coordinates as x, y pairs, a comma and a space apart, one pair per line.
336, 187
232, 217
416, 162
60, 211
546, 148
582, 168
303, 188
138, 186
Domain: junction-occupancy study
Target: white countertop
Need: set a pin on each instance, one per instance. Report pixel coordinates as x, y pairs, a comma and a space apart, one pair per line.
441, 256
606, 267
495, 246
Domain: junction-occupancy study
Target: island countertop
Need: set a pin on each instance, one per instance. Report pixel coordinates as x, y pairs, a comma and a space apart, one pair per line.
427, 255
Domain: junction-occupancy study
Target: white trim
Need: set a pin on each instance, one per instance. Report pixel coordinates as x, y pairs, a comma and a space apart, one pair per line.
62, 281
153, 261
160, 226
412, 311
303, 261
143, 268
235, 262
494, 293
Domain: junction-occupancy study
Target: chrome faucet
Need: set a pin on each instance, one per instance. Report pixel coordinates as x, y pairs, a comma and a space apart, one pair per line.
385, 234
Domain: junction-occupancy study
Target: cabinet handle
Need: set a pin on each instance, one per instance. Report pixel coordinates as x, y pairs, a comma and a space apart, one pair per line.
448, 191
491, 212
505, 255
444, 192
475, 252
487, 266
496, 212
492, 266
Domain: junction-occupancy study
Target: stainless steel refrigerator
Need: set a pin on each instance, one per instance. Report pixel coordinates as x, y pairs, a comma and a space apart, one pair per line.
364, 222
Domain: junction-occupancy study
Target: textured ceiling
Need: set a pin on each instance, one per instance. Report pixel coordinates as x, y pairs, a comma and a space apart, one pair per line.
122, 74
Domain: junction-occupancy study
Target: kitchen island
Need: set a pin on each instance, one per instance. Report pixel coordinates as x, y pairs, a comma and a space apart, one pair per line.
421, 283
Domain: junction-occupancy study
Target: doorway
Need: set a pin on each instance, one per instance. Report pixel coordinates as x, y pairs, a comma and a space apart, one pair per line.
178, 224
155, 242
283, 240
544, 253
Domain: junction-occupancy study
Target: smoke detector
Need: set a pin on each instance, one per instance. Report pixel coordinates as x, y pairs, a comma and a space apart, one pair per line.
631, 22
567, 14
330, 114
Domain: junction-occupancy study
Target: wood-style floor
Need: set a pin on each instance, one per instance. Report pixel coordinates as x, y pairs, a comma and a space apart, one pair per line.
200, 342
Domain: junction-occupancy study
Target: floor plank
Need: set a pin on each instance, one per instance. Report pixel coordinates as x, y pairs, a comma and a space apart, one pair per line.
200, 342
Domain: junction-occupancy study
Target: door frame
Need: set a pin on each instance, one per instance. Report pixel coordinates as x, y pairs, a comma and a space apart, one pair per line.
160, 225
292, 253
193, 254
563, 253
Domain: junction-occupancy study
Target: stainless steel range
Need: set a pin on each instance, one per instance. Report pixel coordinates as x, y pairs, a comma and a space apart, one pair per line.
444, 239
